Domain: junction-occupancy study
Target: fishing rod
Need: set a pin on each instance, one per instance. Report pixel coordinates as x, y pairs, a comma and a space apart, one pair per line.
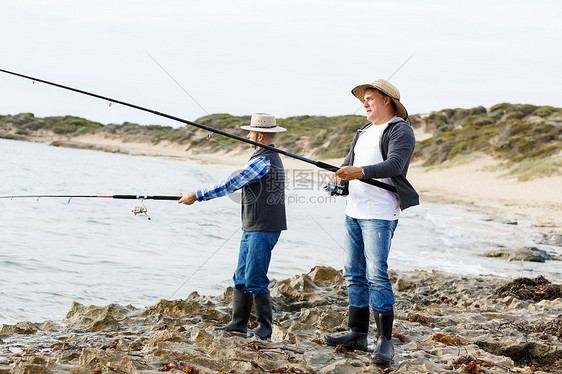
139, 209
319, 164
127, 197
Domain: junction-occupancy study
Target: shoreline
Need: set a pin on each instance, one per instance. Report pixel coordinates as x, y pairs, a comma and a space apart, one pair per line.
476, 183
443, 322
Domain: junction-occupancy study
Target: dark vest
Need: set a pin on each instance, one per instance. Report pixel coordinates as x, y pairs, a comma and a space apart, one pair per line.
263, 201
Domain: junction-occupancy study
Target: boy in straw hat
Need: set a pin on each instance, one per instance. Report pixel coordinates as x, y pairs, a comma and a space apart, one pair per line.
262, 181
382, 149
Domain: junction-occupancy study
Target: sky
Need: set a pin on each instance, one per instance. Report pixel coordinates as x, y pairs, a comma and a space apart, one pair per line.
292, 57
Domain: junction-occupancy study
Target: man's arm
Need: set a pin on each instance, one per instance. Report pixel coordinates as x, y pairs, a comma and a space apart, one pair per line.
253, 170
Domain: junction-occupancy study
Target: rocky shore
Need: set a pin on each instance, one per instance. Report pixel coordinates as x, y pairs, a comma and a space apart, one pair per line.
444, 323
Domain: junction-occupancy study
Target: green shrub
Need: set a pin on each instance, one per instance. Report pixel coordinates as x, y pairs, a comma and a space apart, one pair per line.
542, 112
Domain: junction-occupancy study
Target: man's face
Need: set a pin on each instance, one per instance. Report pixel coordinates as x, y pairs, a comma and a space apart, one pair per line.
373, 104
253, 136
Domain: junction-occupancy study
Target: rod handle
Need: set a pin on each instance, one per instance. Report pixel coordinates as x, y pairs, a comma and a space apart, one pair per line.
325, 166
156, 197
172, 198
372, 182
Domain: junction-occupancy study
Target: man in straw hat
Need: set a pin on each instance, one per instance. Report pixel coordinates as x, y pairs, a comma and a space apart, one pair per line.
382, 149
262, 181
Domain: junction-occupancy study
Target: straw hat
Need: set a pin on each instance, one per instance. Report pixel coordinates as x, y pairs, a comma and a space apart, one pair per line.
263, 122
387, 89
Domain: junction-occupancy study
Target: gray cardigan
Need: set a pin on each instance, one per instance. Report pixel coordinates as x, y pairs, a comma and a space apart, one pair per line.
397, 146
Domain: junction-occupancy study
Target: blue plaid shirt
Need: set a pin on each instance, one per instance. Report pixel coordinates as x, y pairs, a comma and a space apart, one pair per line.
253, 170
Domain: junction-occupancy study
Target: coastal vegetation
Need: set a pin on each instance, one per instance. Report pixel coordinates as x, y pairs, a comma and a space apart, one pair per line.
527, 139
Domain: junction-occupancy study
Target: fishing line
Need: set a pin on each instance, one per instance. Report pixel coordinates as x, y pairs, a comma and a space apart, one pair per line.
203, 264
208, 137
319, 164
354, 260
391, 75
327, 232
400, 67
178, 83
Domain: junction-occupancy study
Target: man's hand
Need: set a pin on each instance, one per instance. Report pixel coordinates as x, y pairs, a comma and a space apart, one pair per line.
335, 180
187, 198
349, 173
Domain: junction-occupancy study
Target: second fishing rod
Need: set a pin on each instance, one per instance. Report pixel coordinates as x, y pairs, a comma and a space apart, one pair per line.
319, 164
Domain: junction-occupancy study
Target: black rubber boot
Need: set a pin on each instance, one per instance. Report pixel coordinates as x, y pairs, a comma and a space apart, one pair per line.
356, 338
384, 351
264, 313
241, 309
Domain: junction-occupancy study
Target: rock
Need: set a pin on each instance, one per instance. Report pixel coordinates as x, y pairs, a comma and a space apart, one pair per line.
520, 351
531, 254
308, 290
323, 275
19, 328
22, 368
554, 239
82, 315
318, 359
192, 309
330, 319
339, 367
166, 336
277, 334
105, 323
403, 284
440, 318
108, 360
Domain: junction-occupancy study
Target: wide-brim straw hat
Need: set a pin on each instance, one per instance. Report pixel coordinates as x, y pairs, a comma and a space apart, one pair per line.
387, 89
263, 122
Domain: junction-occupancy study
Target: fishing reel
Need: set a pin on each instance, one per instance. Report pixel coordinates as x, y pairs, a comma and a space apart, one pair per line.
139, 210
335, 189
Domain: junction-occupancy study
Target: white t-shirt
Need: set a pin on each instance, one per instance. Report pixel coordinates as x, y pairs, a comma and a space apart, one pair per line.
364, 200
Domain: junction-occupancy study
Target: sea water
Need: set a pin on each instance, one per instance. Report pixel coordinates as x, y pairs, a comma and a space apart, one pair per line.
54, 251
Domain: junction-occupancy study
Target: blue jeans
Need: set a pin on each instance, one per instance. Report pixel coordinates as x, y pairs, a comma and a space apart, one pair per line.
367, 244
253, 261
